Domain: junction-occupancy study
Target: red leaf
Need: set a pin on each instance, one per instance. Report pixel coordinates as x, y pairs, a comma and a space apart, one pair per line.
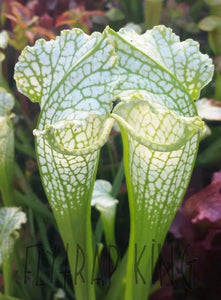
205, 206
44, 32
31, 36
181, 225
77, 15
21, 12
32, 6
216, 177
21, 15
46, 21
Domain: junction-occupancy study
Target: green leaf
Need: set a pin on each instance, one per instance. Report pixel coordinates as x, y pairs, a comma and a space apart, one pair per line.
213, 2
73, 78
115, 14
4, 297
11, 219
210, 23
133, 10
2, 57
6, 147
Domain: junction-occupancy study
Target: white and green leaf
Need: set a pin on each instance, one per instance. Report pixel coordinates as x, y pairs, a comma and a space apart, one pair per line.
6, 147
165, 70
3, 45
6, 102
11, 220
102, 199
209, 109
160, 79
3, 39
106, 205
157, 127
73, 79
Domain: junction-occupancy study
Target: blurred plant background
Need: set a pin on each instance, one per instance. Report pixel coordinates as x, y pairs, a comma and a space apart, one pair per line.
190, 263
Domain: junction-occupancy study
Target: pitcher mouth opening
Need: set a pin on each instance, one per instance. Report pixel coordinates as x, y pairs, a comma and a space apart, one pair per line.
75, 137
157, 127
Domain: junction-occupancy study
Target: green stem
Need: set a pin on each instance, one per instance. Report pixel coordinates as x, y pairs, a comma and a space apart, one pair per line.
218, 87
137, 11
133, 10
155, 287
111, 160
20, 269
6, 187
118, 180
130, 262
152, 11
6, 163
77, 238
137, 278
98, 232
117, 287
123, 286
30, 200
7, 275
6, 191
